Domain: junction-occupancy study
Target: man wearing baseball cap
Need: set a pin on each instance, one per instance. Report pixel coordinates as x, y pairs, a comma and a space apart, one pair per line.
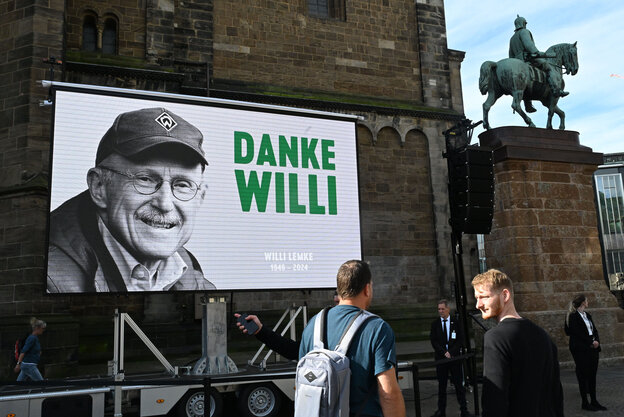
127, 231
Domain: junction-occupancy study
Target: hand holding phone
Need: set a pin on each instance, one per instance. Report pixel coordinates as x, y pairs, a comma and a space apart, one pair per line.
250, 326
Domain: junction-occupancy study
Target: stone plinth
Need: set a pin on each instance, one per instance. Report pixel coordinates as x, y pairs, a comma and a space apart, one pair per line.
544, 232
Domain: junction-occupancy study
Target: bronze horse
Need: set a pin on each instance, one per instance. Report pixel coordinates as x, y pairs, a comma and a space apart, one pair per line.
513, 77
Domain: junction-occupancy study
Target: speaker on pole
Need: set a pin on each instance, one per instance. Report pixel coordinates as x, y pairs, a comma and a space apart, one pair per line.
471, 189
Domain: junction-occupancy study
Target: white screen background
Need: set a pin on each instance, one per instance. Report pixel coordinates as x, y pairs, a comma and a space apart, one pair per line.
231, 245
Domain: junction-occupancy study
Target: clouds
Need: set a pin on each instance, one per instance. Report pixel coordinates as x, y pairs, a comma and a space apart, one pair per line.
595, 106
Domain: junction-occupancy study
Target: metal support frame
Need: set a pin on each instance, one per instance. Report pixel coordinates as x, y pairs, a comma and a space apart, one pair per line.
118, 355
214, 359
289, 326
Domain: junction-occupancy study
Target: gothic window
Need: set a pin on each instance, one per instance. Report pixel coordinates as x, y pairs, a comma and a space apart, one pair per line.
334, 9
89, 34
109, 36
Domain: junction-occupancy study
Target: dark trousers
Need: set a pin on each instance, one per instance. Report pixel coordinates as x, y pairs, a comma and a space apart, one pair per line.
586, 368
442, 371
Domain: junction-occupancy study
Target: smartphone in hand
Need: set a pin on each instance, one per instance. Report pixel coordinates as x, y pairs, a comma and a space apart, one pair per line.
250, 325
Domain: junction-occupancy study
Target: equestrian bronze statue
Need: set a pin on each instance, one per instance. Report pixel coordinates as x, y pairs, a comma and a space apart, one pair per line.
528, 74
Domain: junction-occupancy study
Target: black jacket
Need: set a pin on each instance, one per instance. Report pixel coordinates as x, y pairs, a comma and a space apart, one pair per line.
76, 251
438, 340
580, 340
284, 346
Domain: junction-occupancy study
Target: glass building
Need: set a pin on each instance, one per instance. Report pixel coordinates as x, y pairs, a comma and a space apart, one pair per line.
610, 202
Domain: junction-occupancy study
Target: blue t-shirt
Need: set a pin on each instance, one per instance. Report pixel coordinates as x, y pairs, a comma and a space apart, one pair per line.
31, 349
372, 351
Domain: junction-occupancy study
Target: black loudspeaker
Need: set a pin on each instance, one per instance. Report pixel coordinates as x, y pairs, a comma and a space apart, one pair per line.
471, 190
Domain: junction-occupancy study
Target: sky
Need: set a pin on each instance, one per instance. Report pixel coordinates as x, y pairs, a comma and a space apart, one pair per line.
595, 106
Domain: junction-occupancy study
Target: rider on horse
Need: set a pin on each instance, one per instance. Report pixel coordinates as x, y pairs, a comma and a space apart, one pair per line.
522, 47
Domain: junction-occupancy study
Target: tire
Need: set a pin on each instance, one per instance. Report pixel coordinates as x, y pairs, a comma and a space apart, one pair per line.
192, 404
260, 400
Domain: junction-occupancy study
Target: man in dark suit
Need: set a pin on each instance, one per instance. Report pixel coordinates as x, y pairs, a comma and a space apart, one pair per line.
446, 339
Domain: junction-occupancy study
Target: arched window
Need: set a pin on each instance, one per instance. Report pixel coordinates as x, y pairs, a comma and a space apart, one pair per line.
109, 36
89, 34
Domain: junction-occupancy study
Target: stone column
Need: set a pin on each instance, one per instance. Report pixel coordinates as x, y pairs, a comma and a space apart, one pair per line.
545, 233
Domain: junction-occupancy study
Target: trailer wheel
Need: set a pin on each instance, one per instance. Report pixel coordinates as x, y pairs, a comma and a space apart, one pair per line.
192, 404
260, 400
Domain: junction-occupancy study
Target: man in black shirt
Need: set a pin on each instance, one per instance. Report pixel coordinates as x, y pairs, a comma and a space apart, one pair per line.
520, 364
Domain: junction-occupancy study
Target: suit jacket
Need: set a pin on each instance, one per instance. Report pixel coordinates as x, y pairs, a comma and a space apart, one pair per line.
76, 251
436, 335
580, 340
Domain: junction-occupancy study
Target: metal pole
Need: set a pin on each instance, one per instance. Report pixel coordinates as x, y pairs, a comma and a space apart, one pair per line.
461, 299
207, 406
117, 354
293, 333
205, 329
415, 382
122, 343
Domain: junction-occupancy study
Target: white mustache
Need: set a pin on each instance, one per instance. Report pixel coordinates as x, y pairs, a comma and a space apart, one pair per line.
155, 218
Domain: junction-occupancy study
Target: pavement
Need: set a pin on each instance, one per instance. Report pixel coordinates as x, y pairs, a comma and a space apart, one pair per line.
609, 390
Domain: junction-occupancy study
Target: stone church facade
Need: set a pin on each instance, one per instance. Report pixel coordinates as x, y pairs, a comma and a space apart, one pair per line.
385, 60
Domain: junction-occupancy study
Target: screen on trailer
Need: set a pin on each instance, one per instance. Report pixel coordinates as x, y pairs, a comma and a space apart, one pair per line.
154, 193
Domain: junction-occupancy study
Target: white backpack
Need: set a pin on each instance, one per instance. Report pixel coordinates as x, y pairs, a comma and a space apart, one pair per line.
323, 376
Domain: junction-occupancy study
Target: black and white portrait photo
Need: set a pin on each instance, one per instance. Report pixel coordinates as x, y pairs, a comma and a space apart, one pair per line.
127, 231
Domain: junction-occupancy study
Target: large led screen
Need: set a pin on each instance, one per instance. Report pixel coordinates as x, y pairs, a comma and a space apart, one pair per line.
155, 192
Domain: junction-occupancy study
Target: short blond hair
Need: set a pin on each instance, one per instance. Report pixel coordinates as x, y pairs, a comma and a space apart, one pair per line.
495, 279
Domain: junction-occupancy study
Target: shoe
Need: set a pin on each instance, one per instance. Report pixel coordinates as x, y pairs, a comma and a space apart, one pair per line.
530, 108
588, 407
439, 413
598, 407
563, 93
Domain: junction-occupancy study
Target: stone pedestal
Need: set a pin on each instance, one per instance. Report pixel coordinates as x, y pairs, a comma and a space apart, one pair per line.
544, 232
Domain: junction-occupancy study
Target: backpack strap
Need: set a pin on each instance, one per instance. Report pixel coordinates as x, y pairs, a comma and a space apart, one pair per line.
320, 324
352, 328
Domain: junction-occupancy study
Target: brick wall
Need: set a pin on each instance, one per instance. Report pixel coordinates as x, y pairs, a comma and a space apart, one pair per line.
434, 61
397, 214
129, 13
544, 232
373, 53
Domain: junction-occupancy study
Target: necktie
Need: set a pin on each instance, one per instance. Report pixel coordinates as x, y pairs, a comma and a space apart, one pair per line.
445, 333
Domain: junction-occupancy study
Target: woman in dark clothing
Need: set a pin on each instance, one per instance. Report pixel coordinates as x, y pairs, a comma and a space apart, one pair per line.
30, 353
585, 347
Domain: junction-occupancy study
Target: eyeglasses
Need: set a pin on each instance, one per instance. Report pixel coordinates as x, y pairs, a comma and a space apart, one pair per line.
146, 184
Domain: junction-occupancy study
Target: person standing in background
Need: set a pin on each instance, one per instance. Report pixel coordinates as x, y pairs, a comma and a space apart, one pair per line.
585, 348
446, 339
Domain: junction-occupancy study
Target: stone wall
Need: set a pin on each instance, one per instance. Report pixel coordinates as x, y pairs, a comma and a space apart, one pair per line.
375, 52
544, 233
433, 56
130, 15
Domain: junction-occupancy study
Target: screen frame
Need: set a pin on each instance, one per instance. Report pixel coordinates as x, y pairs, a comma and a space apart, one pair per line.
198, 101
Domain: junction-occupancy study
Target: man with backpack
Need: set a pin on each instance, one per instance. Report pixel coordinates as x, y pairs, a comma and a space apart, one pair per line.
348, 347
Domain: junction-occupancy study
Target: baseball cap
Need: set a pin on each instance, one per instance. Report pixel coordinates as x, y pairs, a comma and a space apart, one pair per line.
136, 131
